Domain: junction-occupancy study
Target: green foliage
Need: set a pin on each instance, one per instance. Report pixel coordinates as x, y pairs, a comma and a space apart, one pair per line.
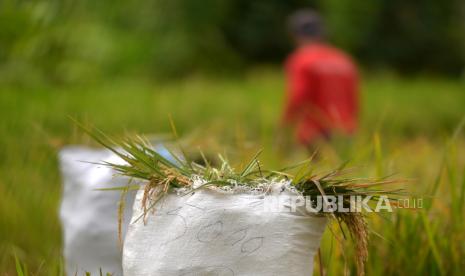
20, 269
85, 41
413, 118
351, 25
430, 36
257, 30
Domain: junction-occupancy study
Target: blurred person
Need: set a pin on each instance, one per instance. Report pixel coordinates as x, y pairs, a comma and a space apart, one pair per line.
322, 84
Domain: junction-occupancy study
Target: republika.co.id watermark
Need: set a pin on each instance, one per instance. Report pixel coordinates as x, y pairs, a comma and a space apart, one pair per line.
340, 203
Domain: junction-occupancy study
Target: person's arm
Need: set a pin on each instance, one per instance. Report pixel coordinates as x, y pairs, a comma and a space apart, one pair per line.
297, 87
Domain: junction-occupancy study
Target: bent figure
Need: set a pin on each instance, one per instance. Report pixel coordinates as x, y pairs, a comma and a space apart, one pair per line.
322, 92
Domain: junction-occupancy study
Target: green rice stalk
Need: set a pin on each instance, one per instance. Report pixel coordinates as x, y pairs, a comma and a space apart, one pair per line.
161, 176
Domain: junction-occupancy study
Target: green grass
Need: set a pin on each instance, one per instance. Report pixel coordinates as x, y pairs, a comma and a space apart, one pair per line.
413, 119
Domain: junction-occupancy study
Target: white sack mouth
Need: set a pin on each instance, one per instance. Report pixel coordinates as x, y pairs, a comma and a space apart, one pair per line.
226, 232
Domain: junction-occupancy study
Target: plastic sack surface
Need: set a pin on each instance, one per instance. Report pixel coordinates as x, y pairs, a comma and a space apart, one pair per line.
90, 217
214, 233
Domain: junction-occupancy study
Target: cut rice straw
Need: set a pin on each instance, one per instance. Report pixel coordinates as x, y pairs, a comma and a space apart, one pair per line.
162, 176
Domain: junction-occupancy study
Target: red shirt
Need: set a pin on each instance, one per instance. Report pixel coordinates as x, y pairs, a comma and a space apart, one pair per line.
322, 93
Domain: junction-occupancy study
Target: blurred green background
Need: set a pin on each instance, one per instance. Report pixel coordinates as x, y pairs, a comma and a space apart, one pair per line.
69, 41
215, 66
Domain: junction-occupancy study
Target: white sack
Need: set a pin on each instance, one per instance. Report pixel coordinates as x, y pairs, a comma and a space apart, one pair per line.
213, 233
89, 217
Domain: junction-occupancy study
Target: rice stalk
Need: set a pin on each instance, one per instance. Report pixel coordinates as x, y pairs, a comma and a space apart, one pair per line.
160, 176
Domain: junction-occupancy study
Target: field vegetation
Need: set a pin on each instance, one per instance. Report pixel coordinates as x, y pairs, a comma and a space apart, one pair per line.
412, 128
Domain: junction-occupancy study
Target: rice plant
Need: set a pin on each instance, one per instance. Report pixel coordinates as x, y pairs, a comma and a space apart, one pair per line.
161, 176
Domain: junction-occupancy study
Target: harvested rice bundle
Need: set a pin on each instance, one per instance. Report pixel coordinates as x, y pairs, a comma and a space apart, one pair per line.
186, 214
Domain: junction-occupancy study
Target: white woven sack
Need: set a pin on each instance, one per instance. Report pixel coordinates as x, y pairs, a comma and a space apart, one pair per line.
89, 217
216, 233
